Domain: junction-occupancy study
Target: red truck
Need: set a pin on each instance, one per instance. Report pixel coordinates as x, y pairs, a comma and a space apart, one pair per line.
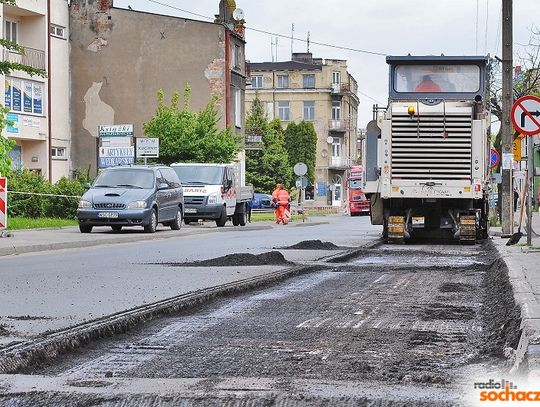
358, 203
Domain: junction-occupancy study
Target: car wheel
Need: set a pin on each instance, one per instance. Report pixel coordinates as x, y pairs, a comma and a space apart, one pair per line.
116, 228
85, 228
176, 224
152, 225
222, 218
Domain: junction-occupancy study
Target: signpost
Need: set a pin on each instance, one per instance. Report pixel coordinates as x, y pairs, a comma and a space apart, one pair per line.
115, 145
525, 116
3, 203
147, 147
300, 169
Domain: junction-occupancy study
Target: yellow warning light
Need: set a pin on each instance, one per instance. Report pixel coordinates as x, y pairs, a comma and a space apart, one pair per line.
410, 110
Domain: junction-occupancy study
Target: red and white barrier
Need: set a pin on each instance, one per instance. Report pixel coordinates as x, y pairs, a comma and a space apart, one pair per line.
3, 203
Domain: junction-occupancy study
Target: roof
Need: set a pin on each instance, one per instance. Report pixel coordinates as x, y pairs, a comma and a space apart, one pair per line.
434, 59
283, 66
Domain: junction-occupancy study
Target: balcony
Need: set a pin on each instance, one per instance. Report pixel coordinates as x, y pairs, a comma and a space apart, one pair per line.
340, 89
338, 125
340, 163
30, 57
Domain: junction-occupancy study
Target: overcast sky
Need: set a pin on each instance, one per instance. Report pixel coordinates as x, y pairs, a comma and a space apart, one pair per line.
389, 27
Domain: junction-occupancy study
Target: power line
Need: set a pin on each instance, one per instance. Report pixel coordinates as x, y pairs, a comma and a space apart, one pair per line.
289, 37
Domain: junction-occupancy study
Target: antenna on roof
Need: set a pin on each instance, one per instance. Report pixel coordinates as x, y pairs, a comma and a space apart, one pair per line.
292, 38
272, 47
308, 41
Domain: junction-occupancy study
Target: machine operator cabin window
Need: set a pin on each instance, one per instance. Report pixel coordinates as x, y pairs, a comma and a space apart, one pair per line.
437, 78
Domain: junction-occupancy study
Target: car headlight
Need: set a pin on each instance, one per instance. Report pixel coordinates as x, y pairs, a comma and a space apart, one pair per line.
84, 204
137, 205
212, 199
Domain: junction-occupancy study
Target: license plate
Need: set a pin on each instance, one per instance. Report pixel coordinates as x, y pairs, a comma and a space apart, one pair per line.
190, 210
107, 214
418, 221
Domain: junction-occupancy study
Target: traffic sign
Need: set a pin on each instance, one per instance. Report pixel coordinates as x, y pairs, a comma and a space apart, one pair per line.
301, 182
494, 158
300, 169
525, 115
3, 202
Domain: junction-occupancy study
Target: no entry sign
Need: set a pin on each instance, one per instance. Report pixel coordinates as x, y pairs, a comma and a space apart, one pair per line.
525, 115
3, 202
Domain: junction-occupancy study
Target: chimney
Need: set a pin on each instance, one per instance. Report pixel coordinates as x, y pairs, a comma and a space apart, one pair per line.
305, 57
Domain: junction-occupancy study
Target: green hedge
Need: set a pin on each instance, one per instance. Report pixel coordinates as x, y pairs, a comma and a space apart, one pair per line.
38, 206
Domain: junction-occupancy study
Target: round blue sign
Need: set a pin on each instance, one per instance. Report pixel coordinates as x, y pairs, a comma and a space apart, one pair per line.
494, 158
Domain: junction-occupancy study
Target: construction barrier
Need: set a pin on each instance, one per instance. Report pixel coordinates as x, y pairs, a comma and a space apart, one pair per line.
3, 203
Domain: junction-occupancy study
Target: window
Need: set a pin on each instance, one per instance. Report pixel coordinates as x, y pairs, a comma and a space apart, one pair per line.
284, 112
10, 33
437, 78
23, 96
336, 77
58, 153
57, 31
283, 81
336, 147
238, 107
309, 111
309, 81
257, 82
237, 56
336, 110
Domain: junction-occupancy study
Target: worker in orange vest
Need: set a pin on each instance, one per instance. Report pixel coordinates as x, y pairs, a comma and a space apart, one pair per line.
281, 200
427, 85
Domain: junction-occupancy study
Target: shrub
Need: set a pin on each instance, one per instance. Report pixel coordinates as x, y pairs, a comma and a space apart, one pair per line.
28, 205
36, 206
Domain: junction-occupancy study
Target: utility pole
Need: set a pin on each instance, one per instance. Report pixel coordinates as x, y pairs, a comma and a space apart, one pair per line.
506, 128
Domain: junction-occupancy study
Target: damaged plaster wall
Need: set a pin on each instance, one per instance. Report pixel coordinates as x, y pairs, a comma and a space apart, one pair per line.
97, 112
121, 58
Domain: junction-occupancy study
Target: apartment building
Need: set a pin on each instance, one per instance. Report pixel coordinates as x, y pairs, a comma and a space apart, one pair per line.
38, 107
120, 58
324, 93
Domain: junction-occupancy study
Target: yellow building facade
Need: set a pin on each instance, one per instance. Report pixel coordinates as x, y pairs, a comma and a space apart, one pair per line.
321, 92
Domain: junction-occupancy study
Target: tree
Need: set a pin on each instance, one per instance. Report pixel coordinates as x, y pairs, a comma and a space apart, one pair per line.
301, 145
525, 83
275, 158
187, 136
256, 125
270, 164
6, 67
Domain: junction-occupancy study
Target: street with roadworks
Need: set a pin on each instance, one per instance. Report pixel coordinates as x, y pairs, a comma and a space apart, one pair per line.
320, 313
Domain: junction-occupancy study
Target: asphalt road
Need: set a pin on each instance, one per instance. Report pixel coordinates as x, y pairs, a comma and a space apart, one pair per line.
396, 326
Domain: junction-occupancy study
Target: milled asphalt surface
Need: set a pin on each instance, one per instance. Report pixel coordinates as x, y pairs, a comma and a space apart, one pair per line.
57, 288
523, 264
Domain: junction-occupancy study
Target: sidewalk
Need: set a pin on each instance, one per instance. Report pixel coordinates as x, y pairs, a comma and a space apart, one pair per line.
524, 272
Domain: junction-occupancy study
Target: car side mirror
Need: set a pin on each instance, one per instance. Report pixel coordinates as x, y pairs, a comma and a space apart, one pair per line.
163, 186
87, 186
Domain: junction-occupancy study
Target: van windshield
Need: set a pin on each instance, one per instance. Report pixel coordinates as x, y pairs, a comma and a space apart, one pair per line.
199, 174
129, 177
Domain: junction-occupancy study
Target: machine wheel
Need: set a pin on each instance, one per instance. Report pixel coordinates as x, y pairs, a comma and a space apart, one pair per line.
176, 224
85, 228
236, 219
242, 217
187, 221
152, 225
222, 219
116, 228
